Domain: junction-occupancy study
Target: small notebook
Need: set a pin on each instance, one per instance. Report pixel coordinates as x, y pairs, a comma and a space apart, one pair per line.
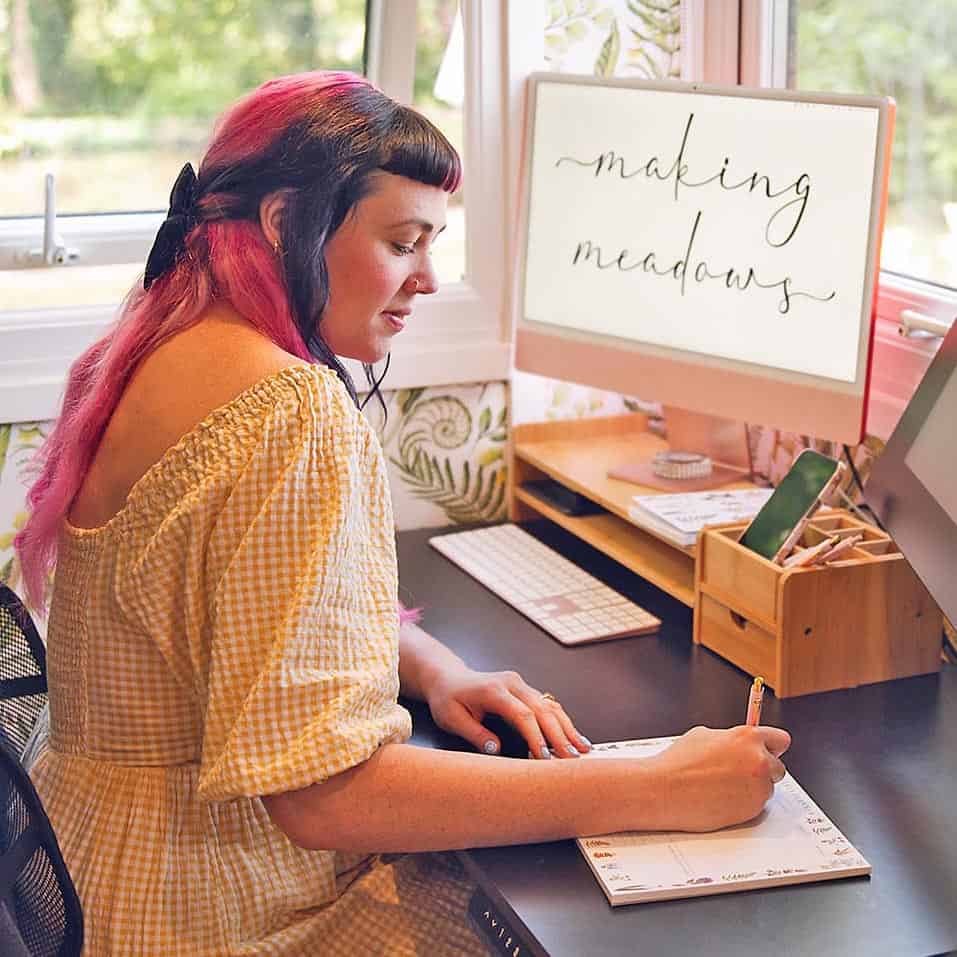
679, 518
790, 842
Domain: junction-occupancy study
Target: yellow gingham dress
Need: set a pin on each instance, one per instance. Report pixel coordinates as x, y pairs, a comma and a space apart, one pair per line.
233, 632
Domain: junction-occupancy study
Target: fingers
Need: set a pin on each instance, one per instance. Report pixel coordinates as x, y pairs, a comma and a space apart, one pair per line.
541, 721
564, 739
458, 720
776, 740
538, 718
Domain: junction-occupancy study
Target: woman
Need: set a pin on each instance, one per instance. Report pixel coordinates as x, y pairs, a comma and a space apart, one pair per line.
226, 759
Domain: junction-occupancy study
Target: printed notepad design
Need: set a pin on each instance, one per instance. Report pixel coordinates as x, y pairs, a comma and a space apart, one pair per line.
678, 518
791, 842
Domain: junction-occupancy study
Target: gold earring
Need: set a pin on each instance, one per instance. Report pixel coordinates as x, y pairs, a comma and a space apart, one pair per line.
276, 247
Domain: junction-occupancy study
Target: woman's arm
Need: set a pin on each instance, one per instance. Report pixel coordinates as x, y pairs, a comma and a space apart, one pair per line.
406, 798
459, 698
421, 660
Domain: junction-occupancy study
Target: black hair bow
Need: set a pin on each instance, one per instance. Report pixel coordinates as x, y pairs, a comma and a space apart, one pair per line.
171, 237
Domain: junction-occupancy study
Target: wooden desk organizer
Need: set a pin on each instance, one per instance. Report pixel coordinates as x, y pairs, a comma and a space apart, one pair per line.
856, 621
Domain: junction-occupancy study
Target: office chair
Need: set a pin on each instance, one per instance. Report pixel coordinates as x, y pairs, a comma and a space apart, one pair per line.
23, 681
40, 913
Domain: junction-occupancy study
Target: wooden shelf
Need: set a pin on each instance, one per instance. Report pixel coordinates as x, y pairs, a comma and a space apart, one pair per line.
579, 454
670, 568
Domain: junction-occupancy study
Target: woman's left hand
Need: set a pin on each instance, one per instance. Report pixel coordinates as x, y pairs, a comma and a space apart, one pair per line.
460, 698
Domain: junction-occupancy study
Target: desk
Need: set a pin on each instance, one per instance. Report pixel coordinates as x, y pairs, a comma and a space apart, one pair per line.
880, 760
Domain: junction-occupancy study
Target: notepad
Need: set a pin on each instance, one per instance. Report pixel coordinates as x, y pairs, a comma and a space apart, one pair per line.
678, 518
791, 842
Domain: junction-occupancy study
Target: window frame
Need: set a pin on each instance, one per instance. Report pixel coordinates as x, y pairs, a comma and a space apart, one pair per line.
746, 41
459, 335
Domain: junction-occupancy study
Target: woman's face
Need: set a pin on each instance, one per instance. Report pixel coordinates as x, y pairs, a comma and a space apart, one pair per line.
378, 261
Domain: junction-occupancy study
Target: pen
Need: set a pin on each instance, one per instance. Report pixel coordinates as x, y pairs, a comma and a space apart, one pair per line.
754, 702
807, 556
844, 545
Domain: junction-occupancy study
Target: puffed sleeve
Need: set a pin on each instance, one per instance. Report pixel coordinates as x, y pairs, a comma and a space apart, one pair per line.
301, 665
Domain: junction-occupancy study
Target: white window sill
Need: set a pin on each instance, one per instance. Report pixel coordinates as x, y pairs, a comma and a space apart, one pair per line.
31, 388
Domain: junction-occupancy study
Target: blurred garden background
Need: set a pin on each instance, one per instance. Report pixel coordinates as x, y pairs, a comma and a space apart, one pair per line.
113, 96
909, 52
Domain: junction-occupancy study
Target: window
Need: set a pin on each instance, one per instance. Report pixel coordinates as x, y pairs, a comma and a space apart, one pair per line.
97, 96
439, 93
867, 46
113, 99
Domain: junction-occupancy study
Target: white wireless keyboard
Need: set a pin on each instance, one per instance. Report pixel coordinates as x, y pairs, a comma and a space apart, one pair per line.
571, 605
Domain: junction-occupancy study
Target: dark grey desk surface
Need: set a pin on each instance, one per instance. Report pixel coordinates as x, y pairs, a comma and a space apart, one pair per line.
880, 760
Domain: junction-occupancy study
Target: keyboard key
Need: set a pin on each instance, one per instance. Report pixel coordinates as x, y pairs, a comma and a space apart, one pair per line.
562, 599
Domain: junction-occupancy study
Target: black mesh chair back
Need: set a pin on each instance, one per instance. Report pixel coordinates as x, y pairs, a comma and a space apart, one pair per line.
40, 913
23, 682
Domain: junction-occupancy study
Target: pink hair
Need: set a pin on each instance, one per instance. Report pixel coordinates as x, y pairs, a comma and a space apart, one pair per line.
406, 615
227, 259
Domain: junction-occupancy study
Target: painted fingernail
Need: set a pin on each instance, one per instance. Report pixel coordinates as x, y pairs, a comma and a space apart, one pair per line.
490, 747
544, 752
584, 741
571, 749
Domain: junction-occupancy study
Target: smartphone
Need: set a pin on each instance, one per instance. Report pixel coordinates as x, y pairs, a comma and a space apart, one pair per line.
774, 530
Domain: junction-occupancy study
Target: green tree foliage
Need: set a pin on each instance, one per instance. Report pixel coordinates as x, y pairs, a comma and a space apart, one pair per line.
161, 57
433, 26
908, 52
173, 58
165, 57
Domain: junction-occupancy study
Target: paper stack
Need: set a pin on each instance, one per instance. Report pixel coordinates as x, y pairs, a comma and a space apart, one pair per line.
791, 842
679, 518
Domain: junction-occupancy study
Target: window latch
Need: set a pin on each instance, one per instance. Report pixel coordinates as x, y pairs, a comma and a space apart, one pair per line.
915, 325
54, 252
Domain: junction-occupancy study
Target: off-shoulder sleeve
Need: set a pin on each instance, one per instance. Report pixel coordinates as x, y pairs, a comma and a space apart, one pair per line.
301, 660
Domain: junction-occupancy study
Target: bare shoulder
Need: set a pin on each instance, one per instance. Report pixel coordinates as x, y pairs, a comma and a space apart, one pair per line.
187, 377
219, 358
174, 389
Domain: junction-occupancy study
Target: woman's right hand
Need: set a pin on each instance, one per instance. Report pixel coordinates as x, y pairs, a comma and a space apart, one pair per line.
716, 778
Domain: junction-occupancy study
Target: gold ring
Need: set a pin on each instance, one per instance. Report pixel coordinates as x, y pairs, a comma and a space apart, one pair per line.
548, 696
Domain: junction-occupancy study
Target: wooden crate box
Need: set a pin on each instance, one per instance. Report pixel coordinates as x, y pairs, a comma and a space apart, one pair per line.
858, 620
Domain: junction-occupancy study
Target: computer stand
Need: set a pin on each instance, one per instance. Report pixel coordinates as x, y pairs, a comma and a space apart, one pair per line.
723, 441
580, 454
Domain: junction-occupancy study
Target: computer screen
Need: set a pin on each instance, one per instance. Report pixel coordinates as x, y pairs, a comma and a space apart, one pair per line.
913, 487
714, 249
